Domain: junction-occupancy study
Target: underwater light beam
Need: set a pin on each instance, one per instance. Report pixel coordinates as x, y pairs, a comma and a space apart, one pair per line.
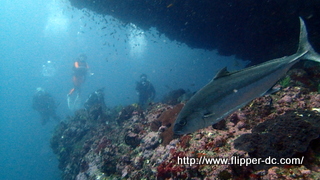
137, 41
57, 22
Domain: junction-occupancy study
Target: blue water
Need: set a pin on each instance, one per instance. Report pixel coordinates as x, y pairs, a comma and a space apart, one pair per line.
33, 32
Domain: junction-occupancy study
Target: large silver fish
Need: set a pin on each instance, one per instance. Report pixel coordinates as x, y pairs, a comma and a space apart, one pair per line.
228, 92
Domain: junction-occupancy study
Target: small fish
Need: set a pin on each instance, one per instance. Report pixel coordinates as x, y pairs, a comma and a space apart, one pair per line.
170, 5
229, 91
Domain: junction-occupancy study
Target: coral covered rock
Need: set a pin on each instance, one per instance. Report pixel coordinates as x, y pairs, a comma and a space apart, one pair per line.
139, 144
281, 137
167, 119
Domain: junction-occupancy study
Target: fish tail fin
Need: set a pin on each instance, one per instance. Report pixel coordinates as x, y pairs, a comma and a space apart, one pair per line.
304, 45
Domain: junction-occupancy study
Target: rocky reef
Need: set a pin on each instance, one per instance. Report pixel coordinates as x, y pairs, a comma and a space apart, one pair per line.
129, 143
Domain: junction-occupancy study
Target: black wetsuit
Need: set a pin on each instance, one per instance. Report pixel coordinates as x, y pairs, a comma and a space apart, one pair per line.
146, 92
44, 103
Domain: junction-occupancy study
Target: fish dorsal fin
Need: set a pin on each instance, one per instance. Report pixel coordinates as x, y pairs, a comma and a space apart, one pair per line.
222, 72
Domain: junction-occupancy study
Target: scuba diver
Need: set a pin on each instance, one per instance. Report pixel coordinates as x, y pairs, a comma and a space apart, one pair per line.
95, 105
80, 71
49, 69
44, 103
145, 91
95, 99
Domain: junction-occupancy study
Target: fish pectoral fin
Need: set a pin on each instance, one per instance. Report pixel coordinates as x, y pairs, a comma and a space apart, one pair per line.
207, 115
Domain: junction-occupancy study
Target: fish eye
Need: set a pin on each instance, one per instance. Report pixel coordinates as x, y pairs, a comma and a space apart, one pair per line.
182, 123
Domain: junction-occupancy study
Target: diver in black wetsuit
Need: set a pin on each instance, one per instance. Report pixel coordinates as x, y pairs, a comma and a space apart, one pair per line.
95, 105
44, 103
95, 98
145, 91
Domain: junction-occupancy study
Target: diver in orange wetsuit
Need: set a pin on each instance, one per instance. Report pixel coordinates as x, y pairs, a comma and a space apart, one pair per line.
80, 71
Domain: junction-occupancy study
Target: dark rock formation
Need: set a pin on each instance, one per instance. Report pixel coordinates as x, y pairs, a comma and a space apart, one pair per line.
125, 114
254, 30
173, 97
281, 137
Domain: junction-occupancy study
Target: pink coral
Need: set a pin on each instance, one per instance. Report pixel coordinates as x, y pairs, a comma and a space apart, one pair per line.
285, 99
272, 175
104, 141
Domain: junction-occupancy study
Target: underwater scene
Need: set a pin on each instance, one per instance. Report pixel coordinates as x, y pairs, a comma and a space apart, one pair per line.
159, 89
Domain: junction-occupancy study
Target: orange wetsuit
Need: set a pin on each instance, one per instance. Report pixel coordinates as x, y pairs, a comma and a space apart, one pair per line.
80, 70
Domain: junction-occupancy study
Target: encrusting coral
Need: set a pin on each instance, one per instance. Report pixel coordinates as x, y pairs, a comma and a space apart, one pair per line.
140, 145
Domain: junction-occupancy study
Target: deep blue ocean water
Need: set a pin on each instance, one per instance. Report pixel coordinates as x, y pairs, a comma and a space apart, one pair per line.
33, 32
